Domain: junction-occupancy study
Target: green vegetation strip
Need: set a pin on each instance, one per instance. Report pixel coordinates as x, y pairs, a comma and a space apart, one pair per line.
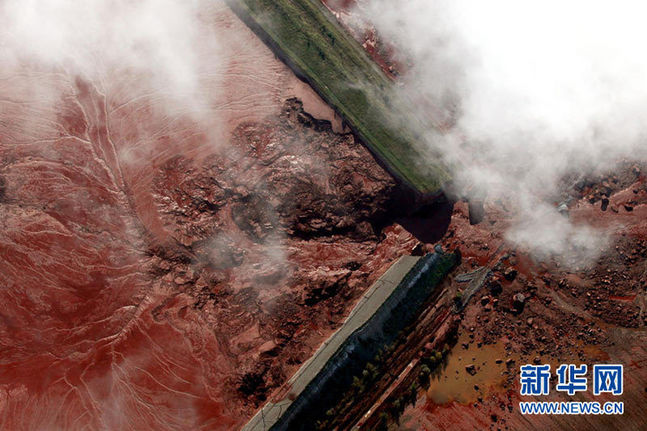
382, 317
361, 313
313, 43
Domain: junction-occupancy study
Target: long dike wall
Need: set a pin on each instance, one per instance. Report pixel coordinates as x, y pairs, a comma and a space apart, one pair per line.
323, 389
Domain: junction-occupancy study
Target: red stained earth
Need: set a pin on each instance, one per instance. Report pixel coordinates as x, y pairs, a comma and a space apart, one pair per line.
586, 315
159, 271
165, 271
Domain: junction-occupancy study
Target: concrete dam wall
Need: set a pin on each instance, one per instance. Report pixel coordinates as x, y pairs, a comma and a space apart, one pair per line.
389, 309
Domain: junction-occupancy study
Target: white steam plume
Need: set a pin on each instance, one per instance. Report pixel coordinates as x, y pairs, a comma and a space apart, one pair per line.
537, 90
162, 41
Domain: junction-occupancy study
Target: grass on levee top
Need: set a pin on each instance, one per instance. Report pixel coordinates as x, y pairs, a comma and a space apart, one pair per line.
311, 40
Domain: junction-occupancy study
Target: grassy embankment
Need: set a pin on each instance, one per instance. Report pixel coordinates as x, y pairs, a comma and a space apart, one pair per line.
313, 43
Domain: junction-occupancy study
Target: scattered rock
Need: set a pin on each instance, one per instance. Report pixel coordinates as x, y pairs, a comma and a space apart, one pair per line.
495, 288
605, 204
510, 274
519, 300
485, 300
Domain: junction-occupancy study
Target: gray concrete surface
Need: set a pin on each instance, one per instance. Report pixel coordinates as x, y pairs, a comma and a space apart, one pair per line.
363, 310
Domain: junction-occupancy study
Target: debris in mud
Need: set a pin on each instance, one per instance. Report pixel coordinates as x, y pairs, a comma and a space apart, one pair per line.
510, 274
605, 204
476, 280
519, 300
568, 310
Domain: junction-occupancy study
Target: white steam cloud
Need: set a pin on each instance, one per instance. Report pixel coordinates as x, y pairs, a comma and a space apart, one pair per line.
161, 41
534, 91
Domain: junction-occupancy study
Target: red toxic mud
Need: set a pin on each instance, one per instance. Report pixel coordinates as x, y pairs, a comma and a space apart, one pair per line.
590, 314
165, 271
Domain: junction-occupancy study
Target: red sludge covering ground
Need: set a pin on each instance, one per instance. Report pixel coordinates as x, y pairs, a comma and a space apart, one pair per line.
156, 274
159, 271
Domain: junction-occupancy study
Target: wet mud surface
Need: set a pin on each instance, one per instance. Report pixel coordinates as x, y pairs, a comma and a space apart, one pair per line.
167, 271
540, 312
161, 271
